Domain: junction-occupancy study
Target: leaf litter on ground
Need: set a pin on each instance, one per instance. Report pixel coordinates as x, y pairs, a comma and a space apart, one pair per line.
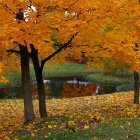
79, 113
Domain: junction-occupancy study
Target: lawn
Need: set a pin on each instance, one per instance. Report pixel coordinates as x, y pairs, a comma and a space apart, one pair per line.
105, 79
58, 128
84, 118
66, 69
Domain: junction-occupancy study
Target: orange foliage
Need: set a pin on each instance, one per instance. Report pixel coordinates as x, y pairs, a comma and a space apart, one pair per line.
77, 90
106, 28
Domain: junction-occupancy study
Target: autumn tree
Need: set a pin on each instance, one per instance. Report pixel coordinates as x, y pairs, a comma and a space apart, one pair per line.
126, 35
33, 34
3, 68
111, 27
11, 19
118, 38
2, 73
58, 22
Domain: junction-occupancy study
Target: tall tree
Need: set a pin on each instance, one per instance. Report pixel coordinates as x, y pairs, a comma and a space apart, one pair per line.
35, 32
9, 33
119, 28
136, 81
38, 67
26, 84
28, 105
40, 84
136, 88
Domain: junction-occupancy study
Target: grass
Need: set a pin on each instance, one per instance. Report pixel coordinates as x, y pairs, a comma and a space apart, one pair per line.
118, 129
104, 79
115, 129
67, 69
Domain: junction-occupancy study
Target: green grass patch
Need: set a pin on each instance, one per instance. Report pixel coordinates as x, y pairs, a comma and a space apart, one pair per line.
59, 128
109, 79
118, 129
59, 70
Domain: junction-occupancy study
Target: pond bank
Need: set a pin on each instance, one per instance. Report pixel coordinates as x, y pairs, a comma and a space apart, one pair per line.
69, 71
65, 87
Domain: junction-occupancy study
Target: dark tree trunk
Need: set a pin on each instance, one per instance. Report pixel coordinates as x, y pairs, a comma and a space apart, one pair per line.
40, 84
28, 105
136, 87
38, 72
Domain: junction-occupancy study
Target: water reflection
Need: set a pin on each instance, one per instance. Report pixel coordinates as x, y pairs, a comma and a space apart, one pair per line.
61, 88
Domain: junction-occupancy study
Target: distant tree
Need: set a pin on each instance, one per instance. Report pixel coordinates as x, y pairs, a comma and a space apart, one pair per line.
115, 67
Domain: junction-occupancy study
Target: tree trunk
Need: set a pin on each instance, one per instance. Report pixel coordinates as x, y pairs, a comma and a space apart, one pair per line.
136, 87
28, 105
40, 84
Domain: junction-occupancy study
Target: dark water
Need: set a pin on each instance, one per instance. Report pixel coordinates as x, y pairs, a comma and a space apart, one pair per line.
61, 88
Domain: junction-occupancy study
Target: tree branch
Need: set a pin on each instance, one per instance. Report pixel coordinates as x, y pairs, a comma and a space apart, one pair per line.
71, 5
10, 51
61, 47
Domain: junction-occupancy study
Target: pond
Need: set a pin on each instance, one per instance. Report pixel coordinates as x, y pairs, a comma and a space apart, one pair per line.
62, 87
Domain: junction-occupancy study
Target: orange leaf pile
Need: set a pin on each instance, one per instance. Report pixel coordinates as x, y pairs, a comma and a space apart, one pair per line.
81, 108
